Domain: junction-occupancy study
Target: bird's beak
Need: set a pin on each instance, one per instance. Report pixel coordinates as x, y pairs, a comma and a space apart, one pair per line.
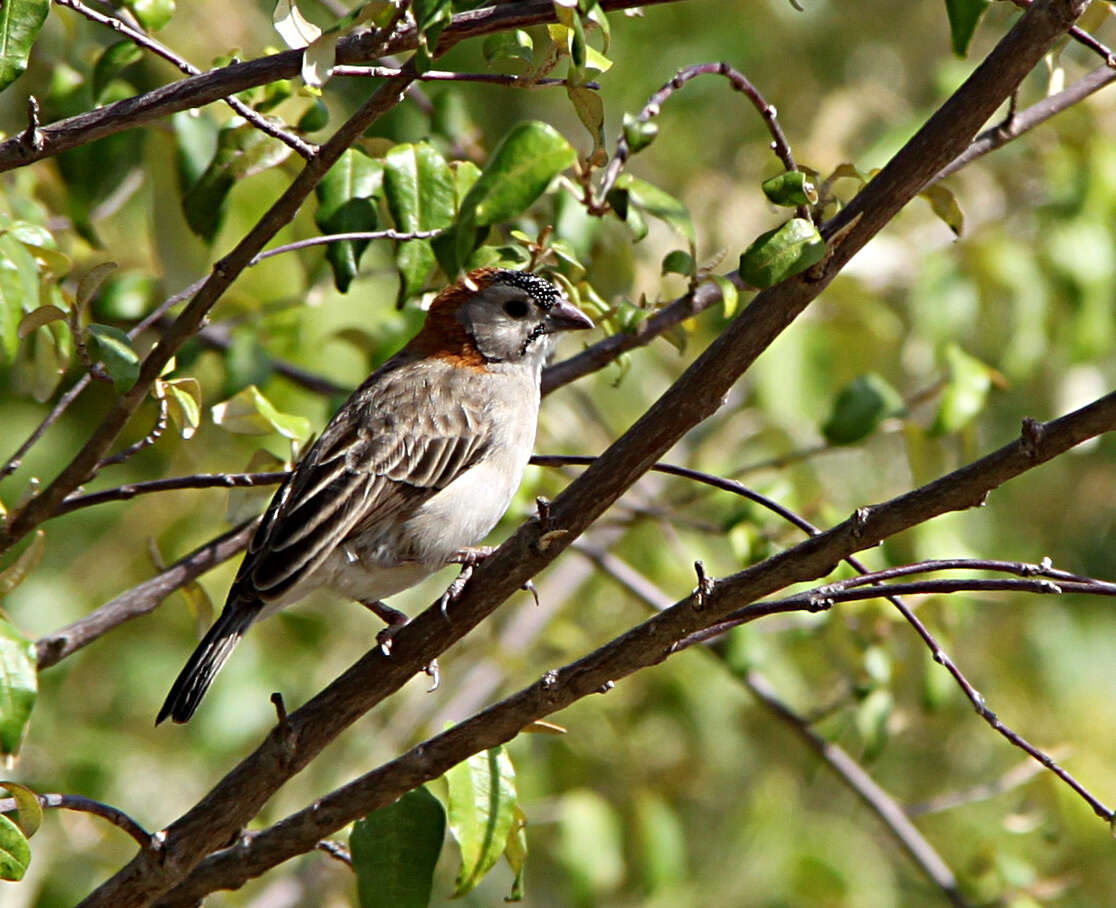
565, 316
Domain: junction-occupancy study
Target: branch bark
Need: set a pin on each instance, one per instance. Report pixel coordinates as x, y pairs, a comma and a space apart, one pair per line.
644, 645
696, 395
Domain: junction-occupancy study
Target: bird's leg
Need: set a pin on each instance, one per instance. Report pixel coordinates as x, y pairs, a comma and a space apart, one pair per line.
467, 558
395, 619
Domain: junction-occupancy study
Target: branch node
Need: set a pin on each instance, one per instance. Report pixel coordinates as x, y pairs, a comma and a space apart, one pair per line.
860, 521
548, 535
32, 136
550, 678
704, 588
288, 737
606, 687
1032, 434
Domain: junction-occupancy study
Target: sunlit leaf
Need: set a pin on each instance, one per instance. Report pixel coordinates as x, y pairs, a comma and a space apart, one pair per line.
295, 29
250, 413
945, 206
19, 686
482, 803
184, 398
30, 812
395, 849
15, 851
20, 24
509, 51
319, 59
790, 189
516, 854
782, 253
152, 14
678, 261
730, 296
419, 187
19, 291
590, 110
520, 168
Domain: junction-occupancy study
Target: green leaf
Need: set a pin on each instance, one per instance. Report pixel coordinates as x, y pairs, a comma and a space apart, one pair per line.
482, 803
860, 407
184, 398
516, 853
639, 133
19, 292
419, 187
250, 413
152, 14
964, 16
965, 393
347, 204
20, 24
242, 151
590, 845
621, 203
431, 16
730, 296
944, 205
30, 812
658, 204
520, 169
18, 687
678, 261
395, 849
662, 843
315, 117
196, 142
781, 253
15, 851
114, 350
125, 297
509, 51
790, 189
36, 318
112, 61
590, 110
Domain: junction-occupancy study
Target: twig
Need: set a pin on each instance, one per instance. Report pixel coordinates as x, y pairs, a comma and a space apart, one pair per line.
853, 775
337, 851
141, 599
327, 238
216, 85
438, 75
190, 320
196, 481
262, 123
86, 805
149, 439
1082, 37
654, 105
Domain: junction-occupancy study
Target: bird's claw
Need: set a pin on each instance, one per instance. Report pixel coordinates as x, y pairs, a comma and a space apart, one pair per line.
453, 591
431, 668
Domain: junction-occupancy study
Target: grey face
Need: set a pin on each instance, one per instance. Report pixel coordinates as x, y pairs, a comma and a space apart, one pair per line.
511, 318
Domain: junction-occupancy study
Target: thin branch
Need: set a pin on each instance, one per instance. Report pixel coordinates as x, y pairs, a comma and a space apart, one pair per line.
655, 103
337, 851
374, 677
141, 599
195, 481
438, 75
262, 123
216, 85
691, 399
147, 441
1083, 38
327, 238
190, 320
86, 805
853, 775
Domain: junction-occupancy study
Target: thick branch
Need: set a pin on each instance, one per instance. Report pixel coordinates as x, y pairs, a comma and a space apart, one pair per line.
696, 395
644, 645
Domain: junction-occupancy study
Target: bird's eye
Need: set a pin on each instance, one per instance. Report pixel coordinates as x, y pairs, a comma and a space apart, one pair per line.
516, 308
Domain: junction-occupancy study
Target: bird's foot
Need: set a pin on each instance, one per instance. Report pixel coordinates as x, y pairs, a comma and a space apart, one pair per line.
392, 617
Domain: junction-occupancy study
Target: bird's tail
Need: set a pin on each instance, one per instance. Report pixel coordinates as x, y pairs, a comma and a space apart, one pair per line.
202, 666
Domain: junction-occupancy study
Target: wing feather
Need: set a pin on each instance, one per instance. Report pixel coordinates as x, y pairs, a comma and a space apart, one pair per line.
388, 449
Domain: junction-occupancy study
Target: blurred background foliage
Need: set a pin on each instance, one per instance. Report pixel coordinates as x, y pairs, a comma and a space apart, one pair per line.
676, 788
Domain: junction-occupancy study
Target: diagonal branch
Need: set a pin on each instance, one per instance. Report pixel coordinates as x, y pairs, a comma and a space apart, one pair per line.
697, 394
645, 645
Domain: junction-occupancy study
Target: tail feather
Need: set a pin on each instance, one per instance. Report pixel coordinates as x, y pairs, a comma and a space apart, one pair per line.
204, 663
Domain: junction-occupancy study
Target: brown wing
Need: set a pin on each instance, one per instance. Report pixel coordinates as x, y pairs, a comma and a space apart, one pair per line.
399, 439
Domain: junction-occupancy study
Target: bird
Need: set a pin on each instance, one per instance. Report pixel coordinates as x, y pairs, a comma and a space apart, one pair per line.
414, 469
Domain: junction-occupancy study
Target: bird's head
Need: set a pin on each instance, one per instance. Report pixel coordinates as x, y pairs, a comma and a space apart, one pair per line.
495, 315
